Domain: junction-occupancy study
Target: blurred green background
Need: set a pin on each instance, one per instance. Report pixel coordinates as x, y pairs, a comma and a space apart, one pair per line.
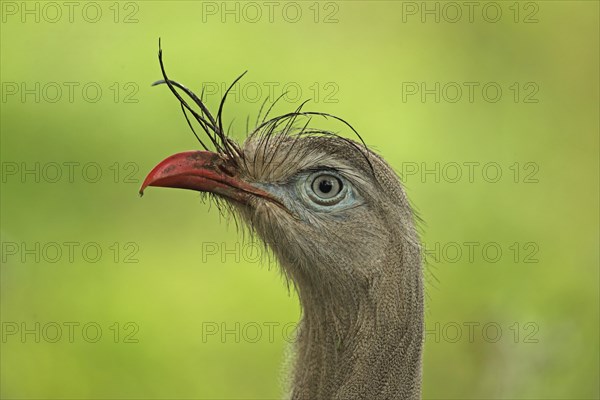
171, 308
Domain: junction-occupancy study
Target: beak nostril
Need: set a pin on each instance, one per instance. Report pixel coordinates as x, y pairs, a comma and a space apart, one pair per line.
228, 171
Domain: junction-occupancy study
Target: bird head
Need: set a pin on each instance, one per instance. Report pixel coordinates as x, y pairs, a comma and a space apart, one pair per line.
325, 205
328, 207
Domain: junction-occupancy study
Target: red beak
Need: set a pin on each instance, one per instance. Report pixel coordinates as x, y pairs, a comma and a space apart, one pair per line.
203, 171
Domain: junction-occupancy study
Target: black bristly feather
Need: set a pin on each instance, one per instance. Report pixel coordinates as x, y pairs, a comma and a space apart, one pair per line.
213, 127
206, 125
287, 128
192, 128
271, 107
289, 151
259, 113
222, 104
273, 122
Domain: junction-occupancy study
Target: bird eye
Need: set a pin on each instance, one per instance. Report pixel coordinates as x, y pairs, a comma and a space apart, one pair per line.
326, 188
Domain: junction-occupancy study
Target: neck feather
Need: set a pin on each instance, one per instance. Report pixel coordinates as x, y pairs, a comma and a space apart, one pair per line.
365, 339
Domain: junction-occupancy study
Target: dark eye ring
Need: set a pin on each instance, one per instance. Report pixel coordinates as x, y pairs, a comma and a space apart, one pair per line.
326, 188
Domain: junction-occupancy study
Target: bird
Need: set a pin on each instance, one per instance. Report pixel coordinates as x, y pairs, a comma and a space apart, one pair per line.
337, 219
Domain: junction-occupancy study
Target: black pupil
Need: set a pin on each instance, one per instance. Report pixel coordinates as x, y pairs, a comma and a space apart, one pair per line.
325, 186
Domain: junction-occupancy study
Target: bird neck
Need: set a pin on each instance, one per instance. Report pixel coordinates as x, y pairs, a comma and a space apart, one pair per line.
363, 340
